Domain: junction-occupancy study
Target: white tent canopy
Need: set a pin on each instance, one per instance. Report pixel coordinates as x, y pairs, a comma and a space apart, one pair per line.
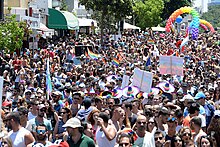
159, 29
130, 26
84, 22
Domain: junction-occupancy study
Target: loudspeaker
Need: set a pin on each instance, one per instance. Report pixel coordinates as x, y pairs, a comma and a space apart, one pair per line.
79, 50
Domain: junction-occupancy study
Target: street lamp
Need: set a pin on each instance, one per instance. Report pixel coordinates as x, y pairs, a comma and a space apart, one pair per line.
1, 10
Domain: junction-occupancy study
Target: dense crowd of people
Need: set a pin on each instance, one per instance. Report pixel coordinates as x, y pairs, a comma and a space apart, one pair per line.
89, 106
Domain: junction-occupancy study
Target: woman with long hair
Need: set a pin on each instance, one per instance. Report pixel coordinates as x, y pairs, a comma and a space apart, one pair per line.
6, 142
64, 115
185, 133
124, 121
151, 124
92, 118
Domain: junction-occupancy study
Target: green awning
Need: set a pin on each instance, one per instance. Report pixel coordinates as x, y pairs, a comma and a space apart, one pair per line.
62, 20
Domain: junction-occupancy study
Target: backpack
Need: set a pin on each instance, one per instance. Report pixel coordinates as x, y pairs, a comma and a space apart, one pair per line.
211, 109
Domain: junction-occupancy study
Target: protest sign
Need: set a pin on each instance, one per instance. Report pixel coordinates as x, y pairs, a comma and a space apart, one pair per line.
125, 81
171, 65
142, 79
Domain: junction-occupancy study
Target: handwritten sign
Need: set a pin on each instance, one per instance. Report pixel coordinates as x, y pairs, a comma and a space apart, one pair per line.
142, 79
171, 65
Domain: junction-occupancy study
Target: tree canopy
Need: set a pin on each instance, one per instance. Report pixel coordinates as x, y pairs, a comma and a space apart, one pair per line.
148, 12
213, 15
11, 34
117, 9
171, 5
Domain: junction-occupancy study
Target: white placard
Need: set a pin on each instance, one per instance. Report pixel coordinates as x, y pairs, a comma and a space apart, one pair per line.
125, 81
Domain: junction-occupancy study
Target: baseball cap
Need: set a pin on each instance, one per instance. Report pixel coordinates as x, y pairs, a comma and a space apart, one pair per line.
27, 91
41, 106
199, 95
187, 97
73, 123
217, 113
80, 93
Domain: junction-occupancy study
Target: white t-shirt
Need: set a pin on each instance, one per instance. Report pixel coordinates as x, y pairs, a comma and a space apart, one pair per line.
146, 141
17, 138
203, 120
31, 116
102, 140
201, 133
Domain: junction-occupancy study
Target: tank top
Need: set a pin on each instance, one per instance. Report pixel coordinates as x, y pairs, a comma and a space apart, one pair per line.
102, 141
18, 137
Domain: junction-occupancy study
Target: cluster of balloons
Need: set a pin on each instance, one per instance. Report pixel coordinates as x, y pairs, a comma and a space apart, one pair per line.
175, 17
194, 25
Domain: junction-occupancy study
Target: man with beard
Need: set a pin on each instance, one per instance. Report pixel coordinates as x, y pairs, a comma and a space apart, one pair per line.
145, 138
40, 119
41, 136
159, 139
75, 137
19, 136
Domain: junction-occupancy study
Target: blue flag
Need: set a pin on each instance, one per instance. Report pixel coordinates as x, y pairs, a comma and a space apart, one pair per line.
148, 62
48, 79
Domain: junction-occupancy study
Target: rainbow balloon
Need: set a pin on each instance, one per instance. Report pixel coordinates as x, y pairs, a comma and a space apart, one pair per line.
204, 27
207, 24
194, 24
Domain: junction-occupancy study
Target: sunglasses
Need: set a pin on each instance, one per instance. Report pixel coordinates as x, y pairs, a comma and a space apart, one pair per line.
156, 138
185, 134
40, 131
171, 119
150, 122
43, 110
123, 144
63, 112
141, 122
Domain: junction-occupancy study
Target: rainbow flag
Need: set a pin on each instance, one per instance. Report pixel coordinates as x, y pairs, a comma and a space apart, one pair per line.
86, 54
120, 58
103, 60
115, 62
150, 41
93, 55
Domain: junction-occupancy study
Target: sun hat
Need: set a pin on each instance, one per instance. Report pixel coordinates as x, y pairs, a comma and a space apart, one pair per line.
106, 94
166, 87
153, 91
117, 93
112, 78
73, 123
130, 91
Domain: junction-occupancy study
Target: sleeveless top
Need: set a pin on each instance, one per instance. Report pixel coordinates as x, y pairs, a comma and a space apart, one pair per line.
18, 137
60, 128
102, 141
